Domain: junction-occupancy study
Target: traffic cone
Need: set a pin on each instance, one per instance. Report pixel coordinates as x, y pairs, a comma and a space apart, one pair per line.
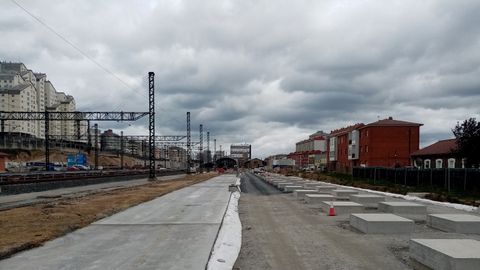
331, 212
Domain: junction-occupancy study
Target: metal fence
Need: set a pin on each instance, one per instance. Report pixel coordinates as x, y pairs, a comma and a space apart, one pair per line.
457, 180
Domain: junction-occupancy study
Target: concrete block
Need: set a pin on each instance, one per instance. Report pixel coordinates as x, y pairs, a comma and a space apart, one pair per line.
343, 194
289, 189
368, 200
405, 209
300, 193
446, 254
381, 223
283, 184
342, 208
318, 198
311, 184
458, 223
325, 189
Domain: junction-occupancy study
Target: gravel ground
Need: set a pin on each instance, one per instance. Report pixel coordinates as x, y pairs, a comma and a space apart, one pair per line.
280, 232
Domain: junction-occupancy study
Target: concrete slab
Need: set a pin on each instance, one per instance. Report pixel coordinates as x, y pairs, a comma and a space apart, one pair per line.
458, 223
325, 189
311, 184
300, 193
283, 184
343, 194
318, 198
446, 254
405, 209
368, 200
372, 223
342, 208
289, 189
175, 231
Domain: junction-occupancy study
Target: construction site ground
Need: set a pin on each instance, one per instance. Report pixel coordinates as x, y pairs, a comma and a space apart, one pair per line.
30, 226
280, 232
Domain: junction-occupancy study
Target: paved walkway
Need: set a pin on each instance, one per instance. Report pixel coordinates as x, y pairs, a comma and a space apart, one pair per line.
175, 231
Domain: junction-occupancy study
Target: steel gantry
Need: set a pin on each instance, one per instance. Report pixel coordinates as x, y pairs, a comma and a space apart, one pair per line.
189, 145
48, 116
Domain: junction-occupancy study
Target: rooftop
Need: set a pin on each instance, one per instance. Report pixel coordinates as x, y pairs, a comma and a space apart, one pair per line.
438, 148
390, 122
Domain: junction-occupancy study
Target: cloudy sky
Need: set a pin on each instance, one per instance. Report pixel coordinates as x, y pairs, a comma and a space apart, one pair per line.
263, 72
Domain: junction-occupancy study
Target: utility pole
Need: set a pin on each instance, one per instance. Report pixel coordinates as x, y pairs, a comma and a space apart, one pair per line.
214, 150
189, 144
201, 147
208, 147
121, 150
95, 147
151, 125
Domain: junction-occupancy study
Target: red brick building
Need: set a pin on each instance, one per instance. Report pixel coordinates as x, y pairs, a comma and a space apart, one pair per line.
388, 143
312, 152
384, 143
3, 160
338, 146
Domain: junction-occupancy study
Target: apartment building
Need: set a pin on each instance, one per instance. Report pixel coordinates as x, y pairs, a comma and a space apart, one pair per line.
384, 143
312, 152
21, 89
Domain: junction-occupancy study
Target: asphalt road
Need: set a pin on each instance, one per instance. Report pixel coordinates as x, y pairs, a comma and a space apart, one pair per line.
279, 232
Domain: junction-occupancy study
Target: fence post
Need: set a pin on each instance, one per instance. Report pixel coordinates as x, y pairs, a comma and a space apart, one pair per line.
405, 177
431, 177
465, 180
374, 175
395, 176
448, 178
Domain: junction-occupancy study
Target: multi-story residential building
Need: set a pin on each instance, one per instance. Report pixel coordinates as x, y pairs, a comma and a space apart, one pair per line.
384, 143
342, 148
312, 152
21, 89
388, 143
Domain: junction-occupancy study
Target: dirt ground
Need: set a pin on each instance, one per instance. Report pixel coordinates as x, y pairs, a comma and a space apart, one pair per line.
280, 232
27, 227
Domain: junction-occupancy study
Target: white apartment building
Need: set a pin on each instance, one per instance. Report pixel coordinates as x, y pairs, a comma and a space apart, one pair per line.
21, 89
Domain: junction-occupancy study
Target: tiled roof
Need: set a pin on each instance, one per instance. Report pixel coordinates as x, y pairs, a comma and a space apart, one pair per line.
438, 148
346, 129
389, 122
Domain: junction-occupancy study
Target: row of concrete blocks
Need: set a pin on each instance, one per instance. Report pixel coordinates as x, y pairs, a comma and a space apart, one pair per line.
444, 254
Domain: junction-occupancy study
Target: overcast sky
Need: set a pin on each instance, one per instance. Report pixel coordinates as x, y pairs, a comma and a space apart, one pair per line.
262, 72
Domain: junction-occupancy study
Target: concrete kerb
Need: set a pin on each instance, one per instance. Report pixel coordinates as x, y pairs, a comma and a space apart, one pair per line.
228, 243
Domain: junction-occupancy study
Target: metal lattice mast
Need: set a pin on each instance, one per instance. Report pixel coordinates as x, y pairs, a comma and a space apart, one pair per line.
189, 143
122, 150
151, 125
208, 146
201, 146
47, 140
214, 150
95, 147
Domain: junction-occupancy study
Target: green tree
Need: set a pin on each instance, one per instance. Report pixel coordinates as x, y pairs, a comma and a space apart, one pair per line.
468, 141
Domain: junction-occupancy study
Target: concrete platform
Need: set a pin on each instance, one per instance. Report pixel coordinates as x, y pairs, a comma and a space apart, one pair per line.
446, 254
300, 193
343, 194
289, 189
174, 231
342, 208
325, 189
368, 200
405, 209
373, 223
458, 223
318, 198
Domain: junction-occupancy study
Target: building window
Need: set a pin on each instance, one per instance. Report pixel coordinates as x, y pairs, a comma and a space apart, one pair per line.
451, 163
426, 164
438, 163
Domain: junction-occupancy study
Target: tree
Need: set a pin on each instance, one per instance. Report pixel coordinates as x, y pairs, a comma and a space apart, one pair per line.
468, 141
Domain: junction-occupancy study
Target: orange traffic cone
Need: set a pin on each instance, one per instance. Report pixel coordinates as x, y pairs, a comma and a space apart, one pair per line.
331, 212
